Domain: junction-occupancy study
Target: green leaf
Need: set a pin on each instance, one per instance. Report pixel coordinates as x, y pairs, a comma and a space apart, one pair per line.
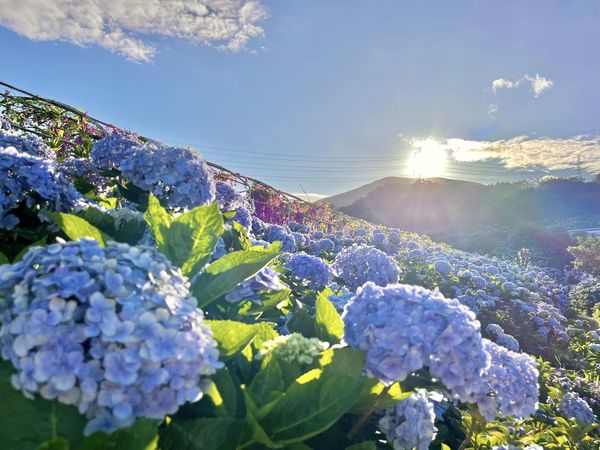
103, 221
142, 435
28, 424
371, 393
76, 227
192, 237
58, 443
130, 232
220, 433
241, 239
225, 393
328, 323
3, 259
315, 401
224, 274
159, 222
367, 445
267, 385
257, 431
232, 336
302, 322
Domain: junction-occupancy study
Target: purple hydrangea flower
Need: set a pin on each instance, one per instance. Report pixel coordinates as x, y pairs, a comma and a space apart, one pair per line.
26, 143
358, 264
411, 423
113, 331
312, 270
32, 181
265, 280
177, 176
575, 407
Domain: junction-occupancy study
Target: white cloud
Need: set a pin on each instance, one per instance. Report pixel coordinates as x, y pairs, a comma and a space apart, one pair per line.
502, 83
123, 26
526, 153
538, 84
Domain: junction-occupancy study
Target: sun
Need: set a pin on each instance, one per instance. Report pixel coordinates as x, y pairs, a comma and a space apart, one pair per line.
428, 159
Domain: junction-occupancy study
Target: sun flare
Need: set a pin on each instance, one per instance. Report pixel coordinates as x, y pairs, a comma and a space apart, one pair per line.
428, 159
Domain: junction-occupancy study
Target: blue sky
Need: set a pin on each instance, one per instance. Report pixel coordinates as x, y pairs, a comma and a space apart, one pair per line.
331, 95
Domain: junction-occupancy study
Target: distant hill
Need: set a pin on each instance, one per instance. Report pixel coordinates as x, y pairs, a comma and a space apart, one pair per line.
438, 205
349, 197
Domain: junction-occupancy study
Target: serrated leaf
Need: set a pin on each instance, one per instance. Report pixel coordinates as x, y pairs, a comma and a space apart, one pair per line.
315, 401
220, 433
328, 323
159, 222
224, 274
192, 237
268, 384
76, 227
232, 337
142, 435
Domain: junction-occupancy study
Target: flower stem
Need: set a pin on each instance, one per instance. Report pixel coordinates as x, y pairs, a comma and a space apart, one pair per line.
361, 421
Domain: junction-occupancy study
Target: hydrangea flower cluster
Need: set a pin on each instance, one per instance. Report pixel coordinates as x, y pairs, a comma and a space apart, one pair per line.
294, 348
497, 334
321, 246
404, 328
113, 331
27, 143
411, 423
574, 406
361, 263
80, 167
311, 269
243, 216
279, 233
512, 380
31, 180
108, 153
442, 267
228, 198
265, 280
177, 176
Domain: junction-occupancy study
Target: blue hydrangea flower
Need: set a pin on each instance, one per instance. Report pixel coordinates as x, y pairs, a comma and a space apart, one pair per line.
411, 423
32, 181
575, 407
113, 331
26, 143
177, 176
108, 153
512, 381
358, 264
243, 216
265, 280
312, 270
442, 267
279, 233
321, 246
404, 328
229, 199
80, 167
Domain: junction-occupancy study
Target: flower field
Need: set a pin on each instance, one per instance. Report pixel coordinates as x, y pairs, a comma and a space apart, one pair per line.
148, 301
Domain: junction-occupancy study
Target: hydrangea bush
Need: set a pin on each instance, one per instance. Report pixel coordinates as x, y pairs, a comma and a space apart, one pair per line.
155, 321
